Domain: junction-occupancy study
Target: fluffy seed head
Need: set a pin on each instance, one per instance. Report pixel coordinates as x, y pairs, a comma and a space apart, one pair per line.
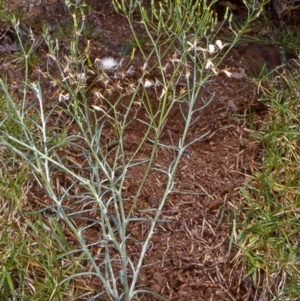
107, 63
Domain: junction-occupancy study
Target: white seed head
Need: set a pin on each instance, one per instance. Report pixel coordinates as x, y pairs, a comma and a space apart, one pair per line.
107, 63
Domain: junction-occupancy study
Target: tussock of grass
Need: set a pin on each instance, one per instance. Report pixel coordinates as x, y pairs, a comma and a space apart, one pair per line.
269, 223
30, 252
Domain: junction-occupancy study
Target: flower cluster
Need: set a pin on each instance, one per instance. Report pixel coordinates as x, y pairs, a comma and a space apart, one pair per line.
210, 50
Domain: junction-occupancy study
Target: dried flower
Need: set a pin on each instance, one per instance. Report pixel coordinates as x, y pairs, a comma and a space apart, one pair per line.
209, 64
228, 73
220, 45
81, 78
97, 108
130, 71
145, 66
147, 84
195, 47
162, 94
187, 74
212, 48
63, 97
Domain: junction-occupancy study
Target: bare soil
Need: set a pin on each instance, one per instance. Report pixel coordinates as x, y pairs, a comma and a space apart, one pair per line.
191, 257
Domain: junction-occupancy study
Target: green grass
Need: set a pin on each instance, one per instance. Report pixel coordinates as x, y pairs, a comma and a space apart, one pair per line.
45, 253
268, 232
30, 252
